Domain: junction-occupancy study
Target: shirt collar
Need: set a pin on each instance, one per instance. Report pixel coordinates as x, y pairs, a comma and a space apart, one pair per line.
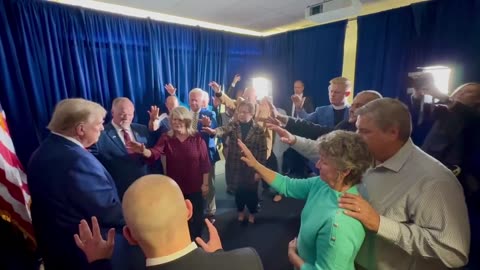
119, 128
173, 256
341, 107
75, 141
396, 162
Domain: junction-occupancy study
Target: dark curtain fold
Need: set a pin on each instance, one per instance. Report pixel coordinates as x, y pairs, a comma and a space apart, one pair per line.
52, 51
244, 57
313, 55
395, 42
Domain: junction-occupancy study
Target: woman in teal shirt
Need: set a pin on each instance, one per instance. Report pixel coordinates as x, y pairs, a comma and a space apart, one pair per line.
328, 239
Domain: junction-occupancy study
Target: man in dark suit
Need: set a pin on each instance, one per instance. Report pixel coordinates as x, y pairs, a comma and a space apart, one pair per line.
163, 235
307, 104
110, 150
203, 117
68, 184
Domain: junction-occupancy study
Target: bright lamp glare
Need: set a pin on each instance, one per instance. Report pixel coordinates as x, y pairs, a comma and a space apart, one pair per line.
263, 87
441, 77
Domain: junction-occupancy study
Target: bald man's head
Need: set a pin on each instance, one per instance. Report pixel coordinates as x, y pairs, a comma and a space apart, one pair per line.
171, 103
250, 94
361, 99
468, 94
155, 209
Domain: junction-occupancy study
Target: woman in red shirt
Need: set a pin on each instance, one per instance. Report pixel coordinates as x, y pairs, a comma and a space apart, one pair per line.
187, 161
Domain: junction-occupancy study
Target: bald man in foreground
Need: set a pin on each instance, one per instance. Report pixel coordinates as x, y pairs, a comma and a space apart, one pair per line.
157, 217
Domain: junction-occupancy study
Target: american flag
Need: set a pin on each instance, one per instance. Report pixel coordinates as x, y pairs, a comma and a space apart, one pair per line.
14, 194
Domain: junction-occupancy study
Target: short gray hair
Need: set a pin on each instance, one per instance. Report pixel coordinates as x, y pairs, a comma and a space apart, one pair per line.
196, 91
70, 112
120, 99
388, 113
348, 151
374, 93
184, 115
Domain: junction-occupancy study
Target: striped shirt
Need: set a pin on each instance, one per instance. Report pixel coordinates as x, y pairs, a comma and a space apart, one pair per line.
423, 216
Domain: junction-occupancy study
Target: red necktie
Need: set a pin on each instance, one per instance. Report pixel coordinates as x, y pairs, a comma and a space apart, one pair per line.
127, 139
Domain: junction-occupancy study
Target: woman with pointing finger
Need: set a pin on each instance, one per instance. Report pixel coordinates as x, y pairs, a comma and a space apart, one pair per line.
328, 239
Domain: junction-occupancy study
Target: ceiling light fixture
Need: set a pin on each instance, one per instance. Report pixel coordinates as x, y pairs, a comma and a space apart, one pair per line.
140, 13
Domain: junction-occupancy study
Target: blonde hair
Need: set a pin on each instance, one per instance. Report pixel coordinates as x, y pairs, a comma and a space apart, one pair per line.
182, 114
70, 112
348, 151
341, 81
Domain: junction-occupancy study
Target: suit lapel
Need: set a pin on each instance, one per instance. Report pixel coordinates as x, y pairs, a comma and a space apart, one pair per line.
250, 132
113, 135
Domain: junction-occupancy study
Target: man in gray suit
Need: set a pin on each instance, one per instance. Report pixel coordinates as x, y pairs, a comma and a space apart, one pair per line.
157, 215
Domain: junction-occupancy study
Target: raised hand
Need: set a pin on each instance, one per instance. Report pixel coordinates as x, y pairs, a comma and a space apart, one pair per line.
248, 157
209, 131
170, 89
92, 243
285, 136
236, 79
214, 243
215, 86
206, 121
273, 121
136, 147
298, 101
154, 113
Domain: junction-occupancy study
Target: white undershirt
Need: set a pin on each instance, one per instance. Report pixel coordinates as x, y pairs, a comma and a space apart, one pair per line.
119, 130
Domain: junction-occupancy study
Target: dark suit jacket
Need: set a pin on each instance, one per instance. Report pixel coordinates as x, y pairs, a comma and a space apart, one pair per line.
68, 184
209, 140
307, 129
111, 152
238, 259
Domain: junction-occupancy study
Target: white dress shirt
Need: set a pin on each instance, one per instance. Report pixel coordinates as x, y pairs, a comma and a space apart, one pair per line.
120, 132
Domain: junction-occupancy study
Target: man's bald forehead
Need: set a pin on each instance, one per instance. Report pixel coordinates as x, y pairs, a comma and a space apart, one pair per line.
153, 184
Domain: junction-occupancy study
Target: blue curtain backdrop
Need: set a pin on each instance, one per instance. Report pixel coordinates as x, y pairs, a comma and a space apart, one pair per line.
395, 42
313, 55
51, 52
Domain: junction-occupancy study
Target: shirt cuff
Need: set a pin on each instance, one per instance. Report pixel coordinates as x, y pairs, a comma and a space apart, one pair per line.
299, 142
389, 229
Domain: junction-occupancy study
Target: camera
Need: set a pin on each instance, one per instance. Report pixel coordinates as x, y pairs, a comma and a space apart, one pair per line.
420, 82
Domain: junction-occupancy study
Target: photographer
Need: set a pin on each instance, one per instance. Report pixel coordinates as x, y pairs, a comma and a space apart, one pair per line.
454, 140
